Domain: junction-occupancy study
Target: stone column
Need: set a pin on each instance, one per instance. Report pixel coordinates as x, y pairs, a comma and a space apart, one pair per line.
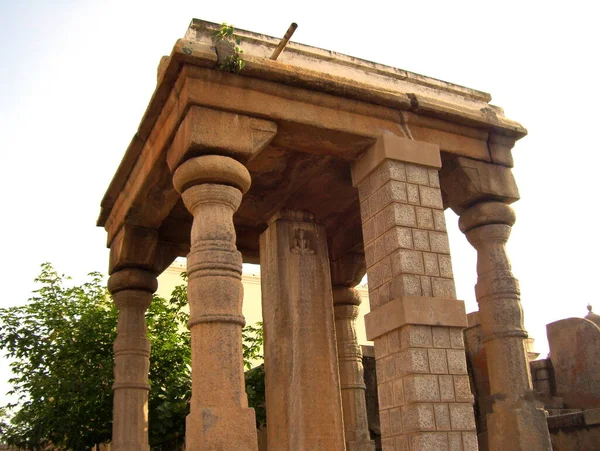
302, 385
207, 158
425, 401
478, 192
346, 273
211, 187
132, 290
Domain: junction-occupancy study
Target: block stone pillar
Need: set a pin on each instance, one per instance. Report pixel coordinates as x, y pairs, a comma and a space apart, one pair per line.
132, 290
479, 193
302, 384
346, 273
425, 401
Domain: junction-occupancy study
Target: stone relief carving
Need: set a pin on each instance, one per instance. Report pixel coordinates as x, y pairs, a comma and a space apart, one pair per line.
302, 244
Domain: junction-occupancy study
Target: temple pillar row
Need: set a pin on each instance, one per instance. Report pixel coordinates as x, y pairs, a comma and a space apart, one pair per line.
132, 290
416, 323
211, 187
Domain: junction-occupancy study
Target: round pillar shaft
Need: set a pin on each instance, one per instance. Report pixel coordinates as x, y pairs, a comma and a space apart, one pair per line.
516, 421
356, 427
132, 293
219, 419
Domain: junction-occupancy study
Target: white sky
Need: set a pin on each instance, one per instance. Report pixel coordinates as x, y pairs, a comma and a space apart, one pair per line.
76, 76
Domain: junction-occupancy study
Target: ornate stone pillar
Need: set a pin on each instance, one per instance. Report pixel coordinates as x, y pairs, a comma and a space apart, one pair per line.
304, 410
207, 159
478, 192
132, 290
219, 415
136, 257
416, 322
346, 273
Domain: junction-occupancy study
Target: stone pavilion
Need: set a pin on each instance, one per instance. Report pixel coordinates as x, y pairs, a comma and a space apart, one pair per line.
319, 167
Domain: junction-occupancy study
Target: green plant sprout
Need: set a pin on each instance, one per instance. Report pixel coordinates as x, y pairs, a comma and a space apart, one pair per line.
232, 63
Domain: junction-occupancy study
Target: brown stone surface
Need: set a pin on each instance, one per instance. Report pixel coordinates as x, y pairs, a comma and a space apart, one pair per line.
132, 290
577, 431
416, 310
575, 356
401, 149
345, 274
516, 420
412, 306
303, 397
300, 124
219, 416
467, 181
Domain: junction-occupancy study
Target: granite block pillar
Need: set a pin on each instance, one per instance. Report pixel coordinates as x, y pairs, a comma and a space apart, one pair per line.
425, 402
207, 158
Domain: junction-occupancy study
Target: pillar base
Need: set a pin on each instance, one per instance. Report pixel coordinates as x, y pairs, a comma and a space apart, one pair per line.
517, 426
129, 446
221, 429
368, 445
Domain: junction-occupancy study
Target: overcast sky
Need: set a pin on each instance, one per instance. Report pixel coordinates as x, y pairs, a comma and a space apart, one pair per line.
76, 76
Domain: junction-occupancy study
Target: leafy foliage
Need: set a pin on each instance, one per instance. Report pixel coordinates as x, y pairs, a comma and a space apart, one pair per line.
255, 388
234, 62
61, 346
60, 343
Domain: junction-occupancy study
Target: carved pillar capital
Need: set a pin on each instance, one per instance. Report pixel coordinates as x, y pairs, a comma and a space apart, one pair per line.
466, 182
205, 131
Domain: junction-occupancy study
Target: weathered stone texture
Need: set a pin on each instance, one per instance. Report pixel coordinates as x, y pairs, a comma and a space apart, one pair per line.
132, 290
414, 313
575, 355
303, 398
479, 192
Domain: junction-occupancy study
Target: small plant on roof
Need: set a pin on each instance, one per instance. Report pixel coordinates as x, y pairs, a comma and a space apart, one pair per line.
229, 54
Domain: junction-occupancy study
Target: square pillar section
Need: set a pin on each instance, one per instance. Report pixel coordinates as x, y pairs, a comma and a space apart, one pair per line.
303, 400
416, 323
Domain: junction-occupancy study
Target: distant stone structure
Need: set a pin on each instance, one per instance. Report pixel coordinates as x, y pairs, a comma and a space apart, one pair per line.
566, 384
319, 166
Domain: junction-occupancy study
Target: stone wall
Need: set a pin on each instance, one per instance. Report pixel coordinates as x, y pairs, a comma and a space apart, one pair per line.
575, 431
575, 357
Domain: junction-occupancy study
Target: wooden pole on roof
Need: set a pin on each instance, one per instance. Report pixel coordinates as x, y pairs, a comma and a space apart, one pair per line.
284, 41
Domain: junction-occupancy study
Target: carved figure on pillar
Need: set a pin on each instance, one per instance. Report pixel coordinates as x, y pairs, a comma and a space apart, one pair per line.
346, 273
479, 193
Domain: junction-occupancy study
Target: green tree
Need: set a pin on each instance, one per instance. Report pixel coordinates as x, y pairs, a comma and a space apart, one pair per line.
60, 344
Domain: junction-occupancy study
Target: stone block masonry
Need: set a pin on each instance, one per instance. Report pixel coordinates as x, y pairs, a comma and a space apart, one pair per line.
416, 323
